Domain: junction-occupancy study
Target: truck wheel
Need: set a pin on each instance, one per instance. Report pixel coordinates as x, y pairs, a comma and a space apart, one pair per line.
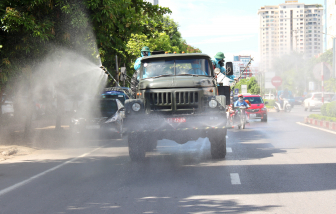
151, 145
218, 144
136, 148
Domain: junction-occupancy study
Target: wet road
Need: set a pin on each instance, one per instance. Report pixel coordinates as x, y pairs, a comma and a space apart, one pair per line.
274, 167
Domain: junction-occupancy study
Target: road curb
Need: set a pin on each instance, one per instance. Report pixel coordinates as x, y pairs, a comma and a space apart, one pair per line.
314, 127
327, 125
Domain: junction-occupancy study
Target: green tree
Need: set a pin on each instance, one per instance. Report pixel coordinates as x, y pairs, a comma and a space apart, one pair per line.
252, 85
330, 85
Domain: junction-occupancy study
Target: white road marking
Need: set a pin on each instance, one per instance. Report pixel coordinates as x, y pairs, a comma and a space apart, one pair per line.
13, 187
302, 124
235, 180
228, 149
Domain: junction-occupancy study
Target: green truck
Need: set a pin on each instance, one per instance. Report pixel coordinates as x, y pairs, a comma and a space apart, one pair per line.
177, 98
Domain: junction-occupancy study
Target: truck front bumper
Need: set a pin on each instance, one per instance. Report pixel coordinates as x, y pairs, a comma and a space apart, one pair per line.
180, 128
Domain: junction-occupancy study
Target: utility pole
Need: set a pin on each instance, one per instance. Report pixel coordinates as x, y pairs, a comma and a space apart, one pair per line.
334, 56
325, 25
322, 87
117, 69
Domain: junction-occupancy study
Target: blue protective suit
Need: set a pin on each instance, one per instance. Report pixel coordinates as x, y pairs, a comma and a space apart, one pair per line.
238, 103
137, 63
196, 69
222, 69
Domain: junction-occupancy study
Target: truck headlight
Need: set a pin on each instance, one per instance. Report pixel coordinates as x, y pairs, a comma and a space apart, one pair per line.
136, 107
213, 104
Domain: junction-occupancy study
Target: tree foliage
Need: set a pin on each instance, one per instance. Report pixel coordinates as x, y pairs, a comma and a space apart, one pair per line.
97, 29
252, 85
166, 38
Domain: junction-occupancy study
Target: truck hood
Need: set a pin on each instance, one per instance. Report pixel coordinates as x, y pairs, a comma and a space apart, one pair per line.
176, 82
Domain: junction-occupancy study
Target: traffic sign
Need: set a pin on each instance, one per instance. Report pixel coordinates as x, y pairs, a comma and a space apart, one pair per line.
276, 81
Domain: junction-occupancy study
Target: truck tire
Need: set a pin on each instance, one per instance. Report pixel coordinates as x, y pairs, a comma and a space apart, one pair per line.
151, 144
136, 147
218, 144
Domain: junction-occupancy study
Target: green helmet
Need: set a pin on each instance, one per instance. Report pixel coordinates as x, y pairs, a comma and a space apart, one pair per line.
219, 55
145, 48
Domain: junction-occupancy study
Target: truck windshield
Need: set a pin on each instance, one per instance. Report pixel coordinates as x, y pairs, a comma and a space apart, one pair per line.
175, 67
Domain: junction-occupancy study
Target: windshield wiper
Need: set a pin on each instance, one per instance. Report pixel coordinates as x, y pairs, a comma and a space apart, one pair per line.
194, 75
163, 75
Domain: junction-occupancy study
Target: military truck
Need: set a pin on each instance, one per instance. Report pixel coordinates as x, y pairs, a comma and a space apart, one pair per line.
177, 98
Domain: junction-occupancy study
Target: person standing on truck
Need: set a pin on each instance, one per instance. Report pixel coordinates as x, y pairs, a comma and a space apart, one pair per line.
218, 62
145, 51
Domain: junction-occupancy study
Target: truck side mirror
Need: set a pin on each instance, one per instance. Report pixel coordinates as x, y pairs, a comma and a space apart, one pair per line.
229, 68
122, 73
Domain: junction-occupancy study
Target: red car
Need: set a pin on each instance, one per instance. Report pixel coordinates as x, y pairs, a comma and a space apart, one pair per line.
257, 109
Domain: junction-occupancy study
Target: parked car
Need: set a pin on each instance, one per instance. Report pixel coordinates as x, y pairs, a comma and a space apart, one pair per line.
314, 100
120, 93
105, 114
257, 109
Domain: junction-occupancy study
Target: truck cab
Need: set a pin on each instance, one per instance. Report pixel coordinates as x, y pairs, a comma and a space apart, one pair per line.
176, 98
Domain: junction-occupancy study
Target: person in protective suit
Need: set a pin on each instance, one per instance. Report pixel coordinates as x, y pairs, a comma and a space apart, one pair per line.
145, 51
196, 68
218, 62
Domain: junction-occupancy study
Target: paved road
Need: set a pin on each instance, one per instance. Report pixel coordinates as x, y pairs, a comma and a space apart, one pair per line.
274, 167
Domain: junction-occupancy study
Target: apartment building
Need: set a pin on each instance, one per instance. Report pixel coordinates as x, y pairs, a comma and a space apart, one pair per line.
331, 22
289, 27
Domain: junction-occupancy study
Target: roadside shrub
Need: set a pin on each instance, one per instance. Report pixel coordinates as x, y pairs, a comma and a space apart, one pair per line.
321, 117
331, 109
324, 109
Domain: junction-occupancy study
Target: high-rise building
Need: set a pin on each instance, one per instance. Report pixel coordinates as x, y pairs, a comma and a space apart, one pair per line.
331, 20
289, 27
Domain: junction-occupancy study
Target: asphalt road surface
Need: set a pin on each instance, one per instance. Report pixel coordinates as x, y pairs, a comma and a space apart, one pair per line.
274, 167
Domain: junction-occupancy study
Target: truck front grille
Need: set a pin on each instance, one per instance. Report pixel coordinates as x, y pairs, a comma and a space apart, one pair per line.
173, 101
189, 97
160, 100
186, 100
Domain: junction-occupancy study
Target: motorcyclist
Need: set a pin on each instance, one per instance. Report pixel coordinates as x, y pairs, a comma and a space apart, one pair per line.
283, 95
218, 62
241, 102
145, 51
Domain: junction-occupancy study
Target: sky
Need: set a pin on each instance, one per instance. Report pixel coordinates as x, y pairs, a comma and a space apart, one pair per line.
229, 26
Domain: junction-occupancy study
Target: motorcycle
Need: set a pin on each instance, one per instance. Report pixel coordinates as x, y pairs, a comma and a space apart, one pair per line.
241, 116
230, 116
287, 107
